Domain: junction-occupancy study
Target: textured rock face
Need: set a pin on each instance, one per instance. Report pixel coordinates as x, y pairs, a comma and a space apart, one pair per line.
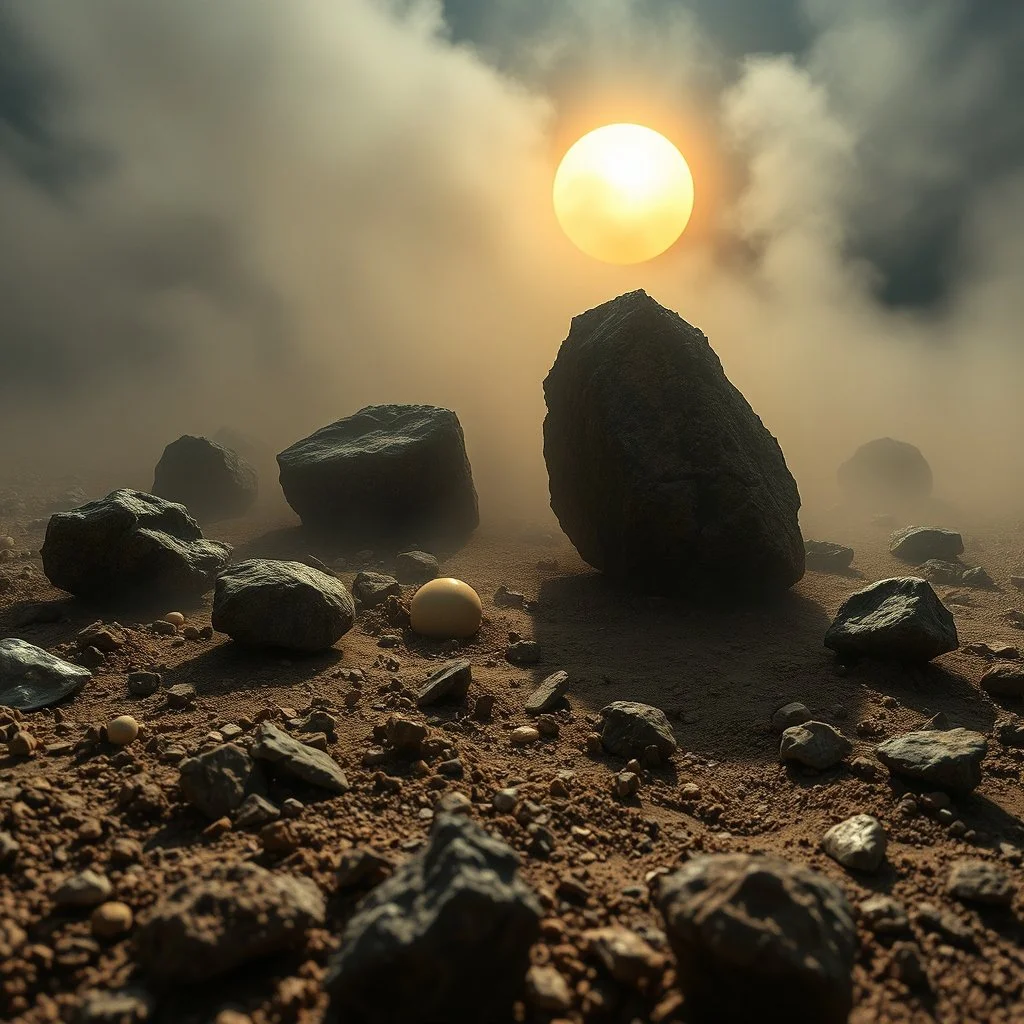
208, 926
126, 541
212, 481
31, 678
629, 728
753, 932
917, 544
455, 924
266, 603
950, 759
388, 473
886, 470
660, 472
899, 619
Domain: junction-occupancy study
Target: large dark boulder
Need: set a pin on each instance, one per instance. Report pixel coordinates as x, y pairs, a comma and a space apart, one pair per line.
213, 482
660, 472
262, 602
454, 924
130, 541
886, 471
388, 473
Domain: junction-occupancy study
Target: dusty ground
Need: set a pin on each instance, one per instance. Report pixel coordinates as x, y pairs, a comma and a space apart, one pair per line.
719, 674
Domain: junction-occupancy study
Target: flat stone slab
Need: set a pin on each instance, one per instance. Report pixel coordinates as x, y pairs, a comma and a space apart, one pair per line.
291, 757
31, 678
450, 682
549, 695
950, 759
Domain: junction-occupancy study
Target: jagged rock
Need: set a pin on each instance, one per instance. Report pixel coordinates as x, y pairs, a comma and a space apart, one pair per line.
660, 472
917, 544
390, 472
211, 481
371, 589
858, 843
205, 927
254, 811
754, 932
450, 682
217, 781
363, 867
824, 556
31, 678
523, 652
630, 728
266, 603
1003, 679
290, 757
978, 881
416, 567
624, 954
899, 619
1010, 731
814, 744
886, 470
949, 760
127, 541
549, 695
936, 570
455, 923
978, 578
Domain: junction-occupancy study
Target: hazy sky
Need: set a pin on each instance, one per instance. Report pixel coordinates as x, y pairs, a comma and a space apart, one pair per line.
268, 214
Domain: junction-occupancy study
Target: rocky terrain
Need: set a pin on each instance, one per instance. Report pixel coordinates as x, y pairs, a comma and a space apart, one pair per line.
397, 828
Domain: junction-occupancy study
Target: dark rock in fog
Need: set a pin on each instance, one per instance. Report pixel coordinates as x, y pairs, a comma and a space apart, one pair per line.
758, 938
660, 472
266, 603
1003, 679
824, 556
455, 924
936, 570
917, 544
886, 470
416, 567
949, 759
31, 678
978, 578
213, 482
899, 619
388, 473
207, 926
129, 541
371, 589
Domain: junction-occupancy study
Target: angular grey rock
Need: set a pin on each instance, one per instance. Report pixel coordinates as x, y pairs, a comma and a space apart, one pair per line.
31, 678
455, 923
630, 728
789, 715
898, 619
950, 760
217, 781
660, 473
523, 652
390, 472
1010, 731
86, 889
1003, 679
886, 470
858, 843
205, 927
754, 934
371, 589
979, 881
129, 541
144, 684
814, 744
266, 603
211, 481
450, 682
549, 695
884, 915
917, 544
978, 578
290, 757
416, 567
254, 811
935, 570
824, 556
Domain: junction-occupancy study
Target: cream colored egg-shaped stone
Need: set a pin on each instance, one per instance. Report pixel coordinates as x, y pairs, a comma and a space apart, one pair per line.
122, 730
446, 609
175, 619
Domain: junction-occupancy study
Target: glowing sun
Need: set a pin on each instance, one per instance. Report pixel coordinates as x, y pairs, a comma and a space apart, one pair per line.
623, 193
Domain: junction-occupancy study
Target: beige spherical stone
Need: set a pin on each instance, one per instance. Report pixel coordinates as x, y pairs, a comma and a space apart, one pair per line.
111, 919
176, 619
446, 609
6, 543
122, 730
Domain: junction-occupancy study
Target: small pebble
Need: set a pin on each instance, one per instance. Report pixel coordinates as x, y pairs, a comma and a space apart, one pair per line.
122, 730
524, 736
176, 619
109, 920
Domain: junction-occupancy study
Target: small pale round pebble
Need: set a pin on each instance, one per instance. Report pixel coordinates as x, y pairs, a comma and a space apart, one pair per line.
175, 619
6, 543
122, 730
111, 919
524, 735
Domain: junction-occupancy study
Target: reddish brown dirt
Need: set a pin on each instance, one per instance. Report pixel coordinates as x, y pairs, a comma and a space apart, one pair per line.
718, 673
